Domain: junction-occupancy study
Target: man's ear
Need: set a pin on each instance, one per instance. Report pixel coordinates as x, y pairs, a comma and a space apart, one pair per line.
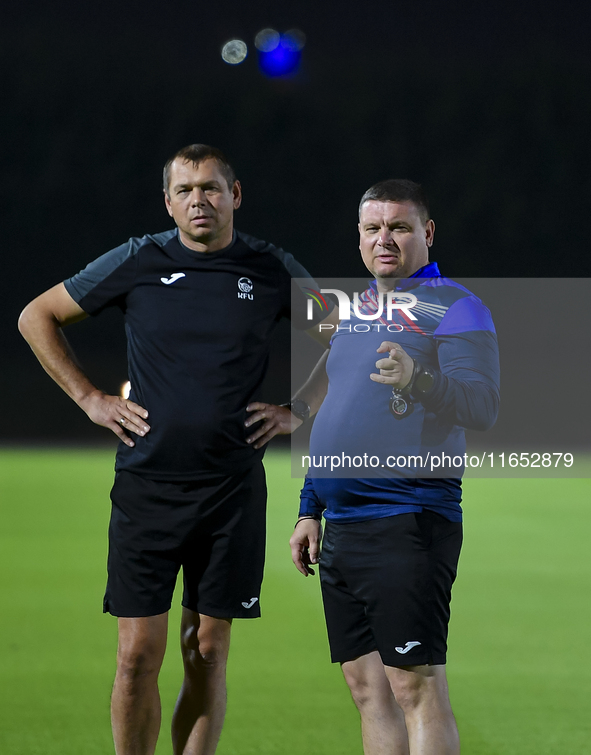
430, 232
237, 194
167, 203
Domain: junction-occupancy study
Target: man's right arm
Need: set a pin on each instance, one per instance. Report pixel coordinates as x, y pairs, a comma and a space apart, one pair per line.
305, 541
41, 324
305, 544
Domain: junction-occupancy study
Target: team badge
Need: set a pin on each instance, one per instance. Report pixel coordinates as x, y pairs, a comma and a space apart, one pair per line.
245, 286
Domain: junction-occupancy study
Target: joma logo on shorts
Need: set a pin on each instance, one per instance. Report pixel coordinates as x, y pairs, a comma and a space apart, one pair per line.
406, 648
251, 604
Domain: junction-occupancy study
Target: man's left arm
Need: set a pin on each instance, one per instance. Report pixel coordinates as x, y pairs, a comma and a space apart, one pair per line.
466, 386
279, 420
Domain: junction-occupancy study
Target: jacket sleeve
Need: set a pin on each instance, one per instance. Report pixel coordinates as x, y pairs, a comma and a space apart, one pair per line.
467, 385
310, 504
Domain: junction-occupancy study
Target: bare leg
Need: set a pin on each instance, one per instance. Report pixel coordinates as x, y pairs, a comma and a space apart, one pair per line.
201, 707
421, 692
135, 703
382, 721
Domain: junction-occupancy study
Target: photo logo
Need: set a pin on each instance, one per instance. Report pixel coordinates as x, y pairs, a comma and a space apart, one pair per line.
314, 296
401, 300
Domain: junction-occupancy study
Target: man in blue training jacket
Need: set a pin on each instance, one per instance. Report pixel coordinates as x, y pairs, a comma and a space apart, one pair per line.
393, 537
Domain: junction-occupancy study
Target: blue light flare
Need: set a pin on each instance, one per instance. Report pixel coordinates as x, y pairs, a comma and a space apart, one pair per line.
284, 58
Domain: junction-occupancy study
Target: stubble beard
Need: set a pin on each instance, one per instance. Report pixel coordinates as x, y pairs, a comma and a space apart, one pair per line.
391, 276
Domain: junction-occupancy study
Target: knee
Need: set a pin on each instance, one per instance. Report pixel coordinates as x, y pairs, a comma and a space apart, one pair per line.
360, 688
407, 694
136, 662
410, 689
203, 650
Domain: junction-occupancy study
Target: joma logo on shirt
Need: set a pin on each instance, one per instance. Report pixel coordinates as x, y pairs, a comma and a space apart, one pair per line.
245, 286
174, 277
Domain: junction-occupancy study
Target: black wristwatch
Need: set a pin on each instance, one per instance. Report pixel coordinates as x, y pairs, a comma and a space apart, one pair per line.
420, 383
423, 381
299, 409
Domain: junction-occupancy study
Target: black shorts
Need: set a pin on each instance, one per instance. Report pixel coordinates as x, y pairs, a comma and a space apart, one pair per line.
214, 529
386, 586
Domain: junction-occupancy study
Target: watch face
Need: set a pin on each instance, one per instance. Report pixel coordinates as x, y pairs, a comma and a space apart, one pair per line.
400, 407
424, 381
300, 409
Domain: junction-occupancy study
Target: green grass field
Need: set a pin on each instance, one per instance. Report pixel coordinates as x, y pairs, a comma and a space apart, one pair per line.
520, 650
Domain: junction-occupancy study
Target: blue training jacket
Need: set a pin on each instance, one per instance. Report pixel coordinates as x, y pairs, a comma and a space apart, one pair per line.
448, 330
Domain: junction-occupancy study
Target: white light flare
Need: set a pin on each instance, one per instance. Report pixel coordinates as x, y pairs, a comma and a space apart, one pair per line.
234, 52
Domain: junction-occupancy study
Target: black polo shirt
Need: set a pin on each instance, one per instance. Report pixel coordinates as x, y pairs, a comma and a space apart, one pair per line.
198, 329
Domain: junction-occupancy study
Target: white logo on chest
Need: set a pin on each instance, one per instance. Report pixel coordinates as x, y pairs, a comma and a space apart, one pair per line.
245, 286
174, 277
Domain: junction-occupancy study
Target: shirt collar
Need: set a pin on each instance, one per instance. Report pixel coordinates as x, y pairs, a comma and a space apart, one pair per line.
430, 270
207, 254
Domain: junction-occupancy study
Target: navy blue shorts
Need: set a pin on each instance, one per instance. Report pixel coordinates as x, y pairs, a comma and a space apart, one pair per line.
386, 586
213, 529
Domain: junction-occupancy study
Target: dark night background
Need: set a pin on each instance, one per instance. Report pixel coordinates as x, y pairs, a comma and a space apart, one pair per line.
487, 105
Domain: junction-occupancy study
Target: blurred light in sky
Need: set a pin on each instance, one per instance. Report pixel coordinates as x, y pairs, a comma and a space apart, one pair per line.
294, 39
267, 40
126, 389
234, 51
283, 58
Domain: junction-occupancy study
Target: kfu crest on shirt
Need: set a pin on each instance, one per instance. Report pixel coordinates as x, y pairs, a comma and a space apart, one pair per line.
245, 286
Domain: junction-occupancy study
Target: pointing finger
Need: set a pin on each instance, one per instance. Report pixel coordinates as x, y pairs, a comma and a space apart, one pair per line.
387, 346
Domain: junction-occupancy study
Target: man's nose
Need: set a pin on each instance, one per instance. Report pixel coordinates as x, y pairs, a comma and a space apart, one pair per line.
385, 237
197, 197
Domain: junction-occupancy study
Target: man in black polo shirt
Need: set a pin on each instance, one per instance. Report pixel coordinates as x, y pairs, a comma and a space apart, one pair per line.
200, 303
